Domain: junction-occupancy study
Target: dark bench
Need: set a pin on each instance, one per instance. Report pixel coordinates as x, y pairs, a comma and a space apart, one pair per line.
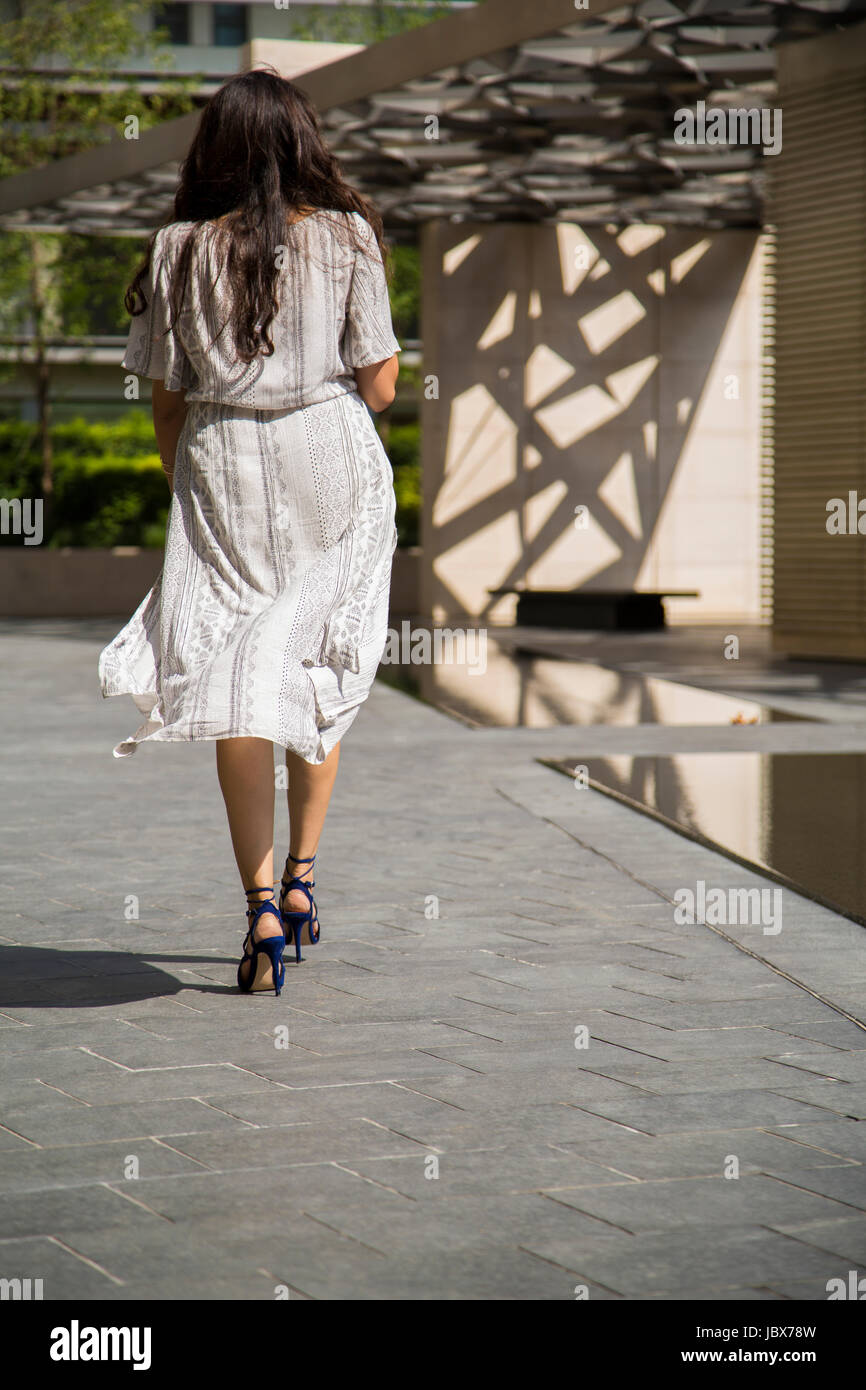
597, 609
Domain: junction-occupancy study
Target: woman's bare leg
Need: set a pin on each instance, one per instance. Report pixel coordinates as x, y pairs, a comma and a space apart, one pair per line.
308, 794
245, 768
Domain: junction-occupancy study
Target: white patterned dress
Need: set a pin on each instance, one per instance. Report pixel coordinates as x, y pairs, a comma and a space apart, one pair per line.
269, 617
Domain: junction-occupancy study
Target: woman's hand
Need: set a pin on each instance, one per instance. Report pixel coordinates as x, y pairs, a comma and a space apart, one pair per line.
169, 414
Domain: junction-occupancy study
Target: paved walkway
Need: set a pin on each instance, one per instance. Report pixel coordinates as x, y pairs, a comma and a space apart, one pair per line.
412, 1119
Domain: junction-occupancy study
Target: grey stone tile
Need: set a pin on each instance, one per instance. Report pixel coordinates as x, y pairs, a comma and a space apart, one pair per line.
55, 1066
672, 1078
804, 1290
346, 1039
169, 1261
51, 1213
671, 1204
535, 1027
495, 1273
663, 1156
462, 1222
485, 1172
706, 1258
844, 1066
729, 1295
776, 1014
205, 1284
316, 1262
845, 1184
387, 1104
170, 1083
67, 1033
563, 1085
521, 1108
85, 1164
336, 1007
729, 1109
692, 1045
253, 1195
833, 1032
837, 1097
743, 987
280, 1146
553, 1124
407, 1065
63, 1273
63, 1122
845, 1236
837, 1137
13, 1144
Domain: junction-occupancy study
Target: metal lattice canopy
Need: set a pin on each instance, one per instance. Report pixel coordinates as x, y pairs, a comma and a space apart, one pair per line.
516, 110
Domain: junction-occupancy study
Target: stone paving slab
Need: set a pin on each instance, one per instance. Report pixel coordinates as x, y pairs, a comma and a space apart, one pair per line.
838, 1033
669, 1204
412, 1044
59, 1266
843, 1236
836, 1136
703, 1257
85, 1164
680, 1113
706, 1155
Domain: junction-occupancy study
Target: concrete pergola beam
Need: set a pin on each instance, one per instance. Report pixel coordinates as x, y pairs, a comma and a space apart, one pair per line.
458, 38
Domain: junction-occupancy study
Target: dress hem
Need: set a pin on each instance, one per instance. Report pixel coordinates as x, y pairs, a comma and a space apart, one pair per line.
155, 731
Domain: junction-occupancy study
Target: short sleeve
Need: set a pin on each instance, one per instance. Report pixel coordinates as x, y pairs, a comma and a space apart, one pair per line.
368, 336
151, 350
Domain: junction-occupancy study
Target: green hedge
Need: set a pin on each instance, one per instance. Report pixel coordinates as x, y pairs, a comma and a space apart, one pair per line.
109, 488
403, 451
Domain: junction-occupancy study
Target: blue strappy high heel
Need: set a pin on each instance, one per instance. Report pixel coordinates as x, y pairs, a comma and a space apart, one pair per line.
299, 926
264, 962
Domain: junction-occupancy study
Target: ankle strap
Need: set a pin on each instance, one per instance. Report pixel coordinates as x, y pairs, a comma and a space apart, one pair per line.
257, 910
266, 888
296, 860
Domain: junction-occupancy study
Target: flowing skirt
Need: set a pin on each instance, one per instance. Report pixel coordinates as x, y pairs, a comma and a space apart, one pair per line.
270, 614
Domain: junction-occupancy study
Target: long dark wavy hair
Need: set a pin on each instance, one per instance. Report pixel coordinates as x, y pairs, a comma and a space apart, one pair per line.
258, 157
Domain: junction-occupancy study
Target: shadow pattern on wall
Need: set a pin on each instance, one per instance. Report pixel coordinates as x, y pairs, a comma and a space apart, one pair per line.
572, 369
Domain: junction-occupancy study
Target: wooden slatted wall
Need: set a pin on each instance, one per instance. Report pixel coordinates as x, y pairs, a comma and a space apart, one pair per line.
817, 205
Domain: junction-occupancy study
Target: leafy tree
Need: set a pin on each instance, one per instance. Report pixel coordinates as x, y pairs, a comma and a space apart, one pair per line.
62, 88
364, 23
62, 93
91, 278
405, 290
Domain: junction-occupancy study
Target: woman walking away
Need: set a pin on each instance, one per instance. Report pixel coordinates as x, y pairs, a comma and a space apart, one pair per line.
261, 314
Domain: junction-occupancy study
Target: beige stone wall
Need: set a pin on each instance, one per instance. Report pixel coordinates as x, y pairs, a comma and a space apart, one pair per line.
73, 583
616, 373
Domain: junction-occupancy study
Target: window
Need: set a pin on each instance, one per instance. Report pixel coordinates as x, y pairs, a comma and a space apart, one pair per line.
174, 18
229, 25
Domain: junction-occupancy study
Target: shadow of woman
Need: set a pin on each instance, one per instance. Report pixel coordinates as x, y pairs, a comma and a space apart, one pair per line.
43, 976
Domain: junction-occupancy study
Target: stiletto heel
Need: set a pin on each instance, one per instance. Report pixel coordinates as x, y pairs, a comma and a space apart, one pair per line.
299, 926
273, 947
264, 961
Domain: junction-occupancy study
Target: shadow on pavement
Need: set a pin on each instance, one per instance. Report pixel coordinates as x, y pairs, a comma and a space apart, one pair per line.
41, 976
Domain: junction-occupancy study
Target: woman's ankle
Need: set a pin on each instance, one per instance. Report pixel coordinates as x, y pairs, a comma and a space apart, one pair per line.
267, 924
301, 867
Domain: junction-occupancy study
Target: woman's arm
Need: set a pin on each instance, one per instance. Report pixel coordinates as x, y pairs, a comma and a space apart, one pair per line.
169, 413
377, 383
